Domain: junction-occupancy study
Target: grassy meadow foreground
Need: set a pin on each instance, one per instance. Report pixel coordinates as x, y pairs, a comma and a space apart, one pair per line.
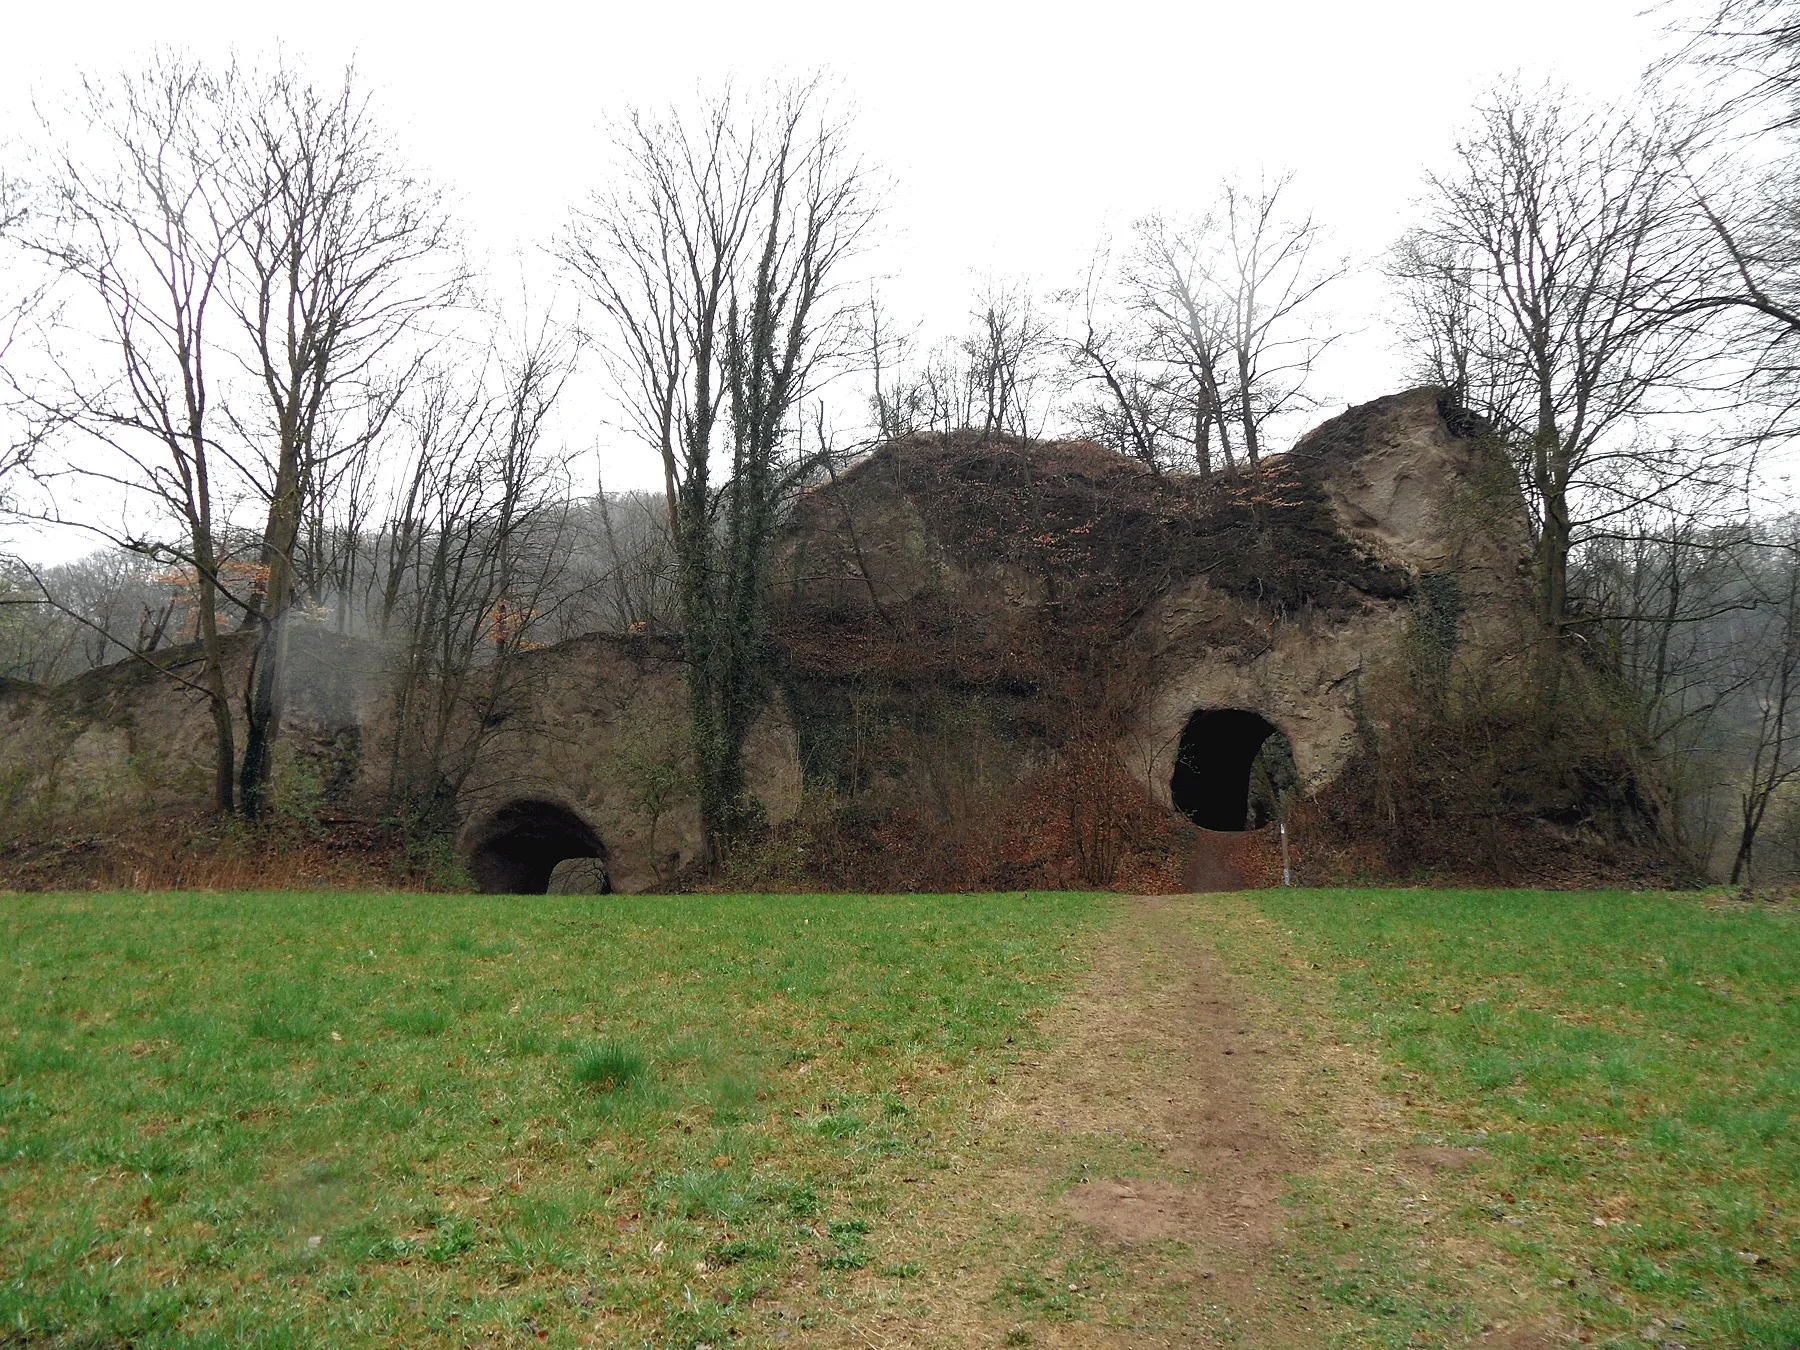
275, 1120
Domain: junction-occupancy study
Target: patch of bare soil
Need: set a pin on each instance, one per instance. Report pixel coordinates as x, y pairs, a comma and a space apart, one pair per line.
1232, 861
1433, 1158
1159, 1053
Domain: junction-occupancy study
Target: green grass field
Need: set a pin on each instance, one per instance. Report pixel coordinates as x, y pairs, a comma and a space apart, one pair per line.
1629, 1067
274, 1120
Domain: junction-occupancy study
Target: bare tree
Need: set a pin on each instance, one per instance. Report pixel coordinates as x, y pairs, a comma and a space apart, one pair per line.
1771, 662
1740, 165
12, 203
1749, 215
998, 378
143, 231
941, 394
343, 256
464, 568
635, 594
124, 604
1267, 275
1540, 289
1750, 50
894, 402
1007, 350
1170, 288
1135, 406
18, 301
1228, 298
716, 262
1669, 586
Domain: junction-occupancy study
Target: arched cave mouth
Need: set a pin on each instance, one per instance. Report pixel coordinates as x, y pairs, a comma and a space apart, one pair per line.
1232, 770
521, 843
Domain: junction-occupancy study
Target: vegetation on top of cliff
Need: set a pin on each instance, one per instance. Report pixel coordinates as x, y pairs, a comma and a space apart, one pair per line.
1104, 536
1092, 522
1347, 435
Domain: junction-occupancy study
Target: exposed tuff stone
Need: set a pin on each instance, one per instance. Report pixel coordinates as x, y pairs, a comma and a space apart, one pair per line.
1301, 676
933, 605
1415, 481
971, 568
136, 737
596, 725
1410, 490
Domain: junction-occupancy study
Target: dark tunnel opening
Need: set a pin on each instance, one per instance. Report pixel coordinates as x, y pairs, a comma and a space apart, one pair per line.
1232, 771
522, 843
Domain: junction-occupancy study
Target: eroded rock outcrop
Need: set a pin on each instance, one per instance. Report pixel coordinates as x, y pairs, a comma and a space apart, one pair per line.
953, 620
1413, 487
1019, 590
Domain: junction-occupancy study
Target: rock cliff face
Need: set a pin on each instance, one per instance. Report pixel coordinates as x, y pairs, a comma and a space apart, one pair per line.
1062, 584
1411, 479
136, 737
596, 729
1405, 489
952, 619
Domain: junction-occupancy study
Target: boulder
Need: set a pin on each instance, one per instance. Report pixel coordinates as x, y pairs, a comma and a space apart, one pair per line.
580, 876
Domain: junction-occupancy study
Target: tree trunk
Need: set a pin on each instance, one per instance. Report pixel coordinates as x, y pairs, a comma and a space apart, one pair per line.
262, 702
206, 568
717, 769
1215, 403
262, 721
1247, 412
1551, 463
1746, 849
1553, 564
218, 702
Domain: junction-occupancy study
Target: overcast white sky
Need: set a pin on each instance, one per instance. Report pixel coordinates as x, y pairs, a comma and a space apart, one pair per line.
1014, 134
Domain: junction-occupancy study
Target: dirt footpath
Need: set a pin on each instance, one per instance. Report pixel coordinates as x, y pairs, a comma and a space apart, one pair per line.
1123, 1190
1159, 1055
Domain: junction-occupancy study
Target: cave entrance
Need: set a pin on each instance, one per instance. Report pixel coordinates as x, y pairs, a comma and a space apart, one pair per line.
1233, 770
521, 843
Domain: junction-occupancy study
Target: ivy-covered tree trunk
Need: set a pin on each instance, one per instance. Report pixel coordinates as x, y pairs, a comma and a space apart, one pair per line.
262, 699
713, 261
